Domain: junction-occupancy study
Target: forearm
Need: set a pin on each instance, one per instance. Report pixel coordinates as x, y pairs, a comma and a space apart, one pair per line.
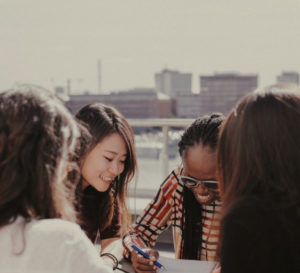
132, 238
155, 219
113, 246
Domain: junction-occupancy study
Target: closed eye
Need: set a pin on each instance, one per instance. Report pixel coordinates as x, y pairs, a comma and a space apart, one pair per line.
123, 160
108, 159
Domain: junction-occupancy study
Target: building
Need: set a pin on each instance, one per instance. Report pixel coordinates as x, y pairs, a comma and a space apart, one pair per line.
59, 90
135, 103
288, 77
221, 92
61, 93
218, 93
188, 106
173, 83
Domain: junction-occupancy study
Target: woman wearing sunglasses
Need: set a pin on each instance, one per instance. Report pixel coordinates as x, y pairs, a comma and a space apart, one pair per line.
187, 200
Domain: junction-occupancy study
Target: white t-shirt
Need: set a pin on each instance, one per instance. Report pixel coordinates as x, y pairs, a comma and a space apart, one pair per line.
51, 245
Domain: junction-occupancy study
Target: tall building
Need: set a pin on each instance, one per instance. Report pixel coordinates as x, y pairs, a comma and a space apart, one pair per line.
60, 92
218, 93
188, 106
288, 77
173, 83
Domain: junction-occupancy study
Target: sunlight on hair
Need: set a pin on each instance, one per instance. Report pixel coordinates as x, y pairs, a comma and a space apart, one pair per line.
69, 138
280, 88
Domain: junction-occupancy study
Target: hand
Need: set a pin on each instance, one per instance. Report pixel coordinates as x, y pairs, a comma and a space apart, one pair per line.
216, 269
144, 265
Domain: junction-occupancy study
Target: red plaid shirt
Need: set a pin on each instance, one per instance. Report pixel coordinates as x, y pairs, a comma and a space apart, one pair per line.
165, 210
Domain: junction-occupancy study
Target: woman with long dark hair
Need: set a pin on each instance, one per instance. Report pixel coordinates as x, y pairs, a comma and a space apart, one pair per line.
38, 137
187, 200
108, 163
259, 174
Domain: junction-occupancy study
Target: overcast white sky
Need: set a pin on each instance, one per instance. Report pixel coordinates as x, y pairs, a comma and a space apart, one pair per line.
46, 42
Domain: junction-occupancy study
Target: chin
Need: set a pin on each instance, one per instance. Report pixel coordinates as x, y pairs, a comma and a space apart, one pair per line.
102, 186
103, 189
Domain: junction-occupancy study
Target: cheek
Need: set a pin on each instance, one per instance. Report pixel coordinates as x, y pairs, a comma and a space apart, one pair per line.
91, 167
121, 169
85, 171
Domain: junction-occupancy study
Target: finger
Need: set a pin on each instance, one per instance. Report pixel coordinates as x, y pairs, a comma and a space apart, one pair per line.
142, 271
154, 255
138, 258
142, 260
146, 268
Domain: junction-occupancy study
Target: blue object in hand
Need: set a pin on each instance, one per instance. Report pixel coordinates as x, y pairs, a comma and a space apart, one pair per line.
146, 255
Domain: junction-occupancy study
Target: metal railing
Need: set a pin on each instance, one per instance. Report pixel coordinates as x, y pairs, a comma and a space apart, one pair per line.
165, 124
141, 197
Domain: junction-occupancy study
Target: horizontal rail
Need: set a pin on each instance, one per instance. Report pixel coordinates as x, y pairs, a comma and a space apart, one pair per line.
165, 124
174, 122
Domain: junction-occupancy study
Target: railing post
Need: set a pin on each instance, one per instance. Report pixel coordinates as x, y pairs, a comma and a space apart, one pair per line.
164, 156
165, 124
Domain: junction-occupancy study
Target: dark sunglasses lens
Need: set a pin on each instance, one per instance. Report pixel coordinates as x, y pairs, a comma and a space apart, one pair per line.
212, 186
188, 182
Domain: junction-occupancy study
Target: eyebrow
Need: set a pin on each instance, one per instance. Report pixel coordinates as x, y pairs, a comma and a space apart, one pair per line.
115, 153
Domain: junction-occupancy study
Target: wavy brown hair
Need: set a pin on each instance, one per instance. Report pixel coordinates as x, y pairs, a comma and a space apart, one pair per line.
259, 152
98, 208
37, 137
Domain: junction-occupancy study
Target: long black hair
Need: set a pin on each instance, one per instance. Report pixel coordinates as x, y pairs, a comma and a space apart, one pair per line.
98, 208
204, 130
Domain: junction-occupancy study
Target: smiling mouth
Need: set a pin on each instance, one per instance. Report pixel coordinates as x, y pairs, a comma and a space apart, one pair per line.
106, 178
204, 198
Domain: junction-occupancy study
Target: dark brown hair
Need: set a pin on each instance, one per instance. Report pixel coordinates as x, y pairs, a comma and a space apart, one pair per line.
259, 151
205, 131
37, 138
98, 208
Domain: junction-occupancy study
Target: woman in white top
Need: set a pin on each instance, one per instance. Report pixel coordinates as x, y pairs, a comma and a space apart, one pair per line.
37, 137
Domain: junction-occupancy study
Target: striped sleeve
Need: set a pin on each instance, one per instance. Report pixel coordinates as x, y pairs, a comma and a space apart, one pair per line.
155, 219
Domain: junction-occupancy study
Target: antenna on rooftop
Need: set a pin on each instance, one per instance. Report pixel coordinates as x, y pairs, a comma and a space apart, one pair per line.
99, 76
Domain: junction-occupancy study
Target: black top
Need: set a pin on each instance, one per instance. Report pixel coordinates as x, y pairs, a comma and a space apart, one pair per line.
259, 238
93, 204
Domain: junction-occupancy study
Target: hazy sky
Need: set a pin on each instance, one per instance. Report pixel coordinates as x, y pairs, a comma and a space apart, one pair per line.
46, 42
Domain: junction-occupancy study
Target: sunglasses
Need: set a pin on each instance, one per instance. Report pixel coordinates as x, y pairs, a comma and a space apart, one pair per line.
191, 182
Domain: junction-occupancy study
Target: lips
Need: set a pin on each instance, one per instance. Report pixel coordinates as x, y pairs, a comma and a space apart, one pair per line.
106, 178
204, 198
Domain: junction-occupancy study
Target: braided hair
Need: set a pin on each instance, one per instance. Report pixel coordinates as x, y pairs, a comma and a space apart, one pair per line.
204, 130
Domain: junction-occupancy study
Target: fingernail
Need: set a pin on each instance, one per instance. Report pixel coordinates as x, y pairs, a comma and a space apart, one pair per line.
151, 263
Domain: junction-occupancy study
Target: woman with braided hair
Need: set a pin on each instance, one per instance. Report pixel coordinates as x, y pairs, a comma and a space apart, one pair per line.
187, 200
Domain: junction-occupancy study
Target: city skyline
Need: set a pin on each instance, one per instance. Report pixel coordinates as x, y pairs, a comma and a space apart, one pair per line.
49, 42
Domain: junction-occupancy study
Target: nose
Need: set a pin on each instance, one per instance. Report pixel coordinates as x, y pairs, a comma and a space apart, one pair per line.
115, 168
201, 189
